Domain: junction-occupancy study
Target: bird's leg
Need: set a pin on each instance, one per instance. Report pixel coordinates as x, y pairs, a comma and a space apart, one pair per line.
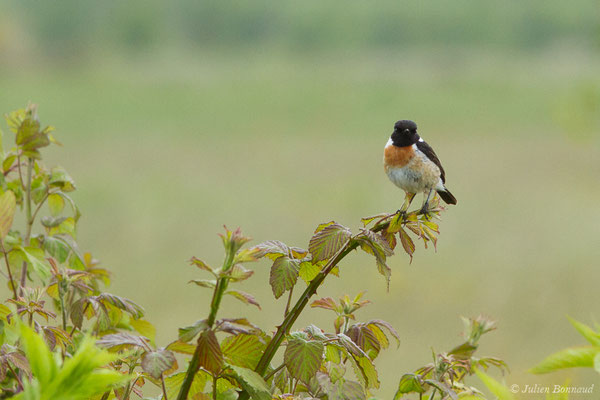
407, 200
426, 203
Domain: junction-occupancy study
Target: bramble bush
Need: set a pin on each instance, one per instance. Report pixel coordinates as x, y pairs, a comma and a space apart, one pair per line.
64, 337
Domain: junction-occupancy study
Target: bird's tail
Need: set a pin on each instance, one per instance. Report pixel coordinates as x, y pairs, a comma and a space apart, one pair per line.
447, 196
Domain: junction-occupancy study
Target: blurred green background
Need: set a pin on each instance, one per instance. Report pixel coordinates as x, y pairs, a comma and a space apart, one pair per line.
179, 117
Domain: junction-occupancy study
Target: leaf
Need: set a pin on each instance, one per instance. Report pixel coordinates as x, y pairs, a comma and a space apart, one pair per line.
7, 212
238, 273
252, 383
365, 371
284, 274
122, 339
409, 383
383, 324
365, 339
202, 265
181, 347
173, 384
246, 298
587, 332
122, 303
367, 220
327, 303
35, 258
157, 362
243, 350
56, 248
189, 332
396, 223
210, 355
272, 249
568, 358
303, 357
308, 271
56, 204
407, 243
328, 241
207, 283
144, 328
497, 389
61, 179
248, 255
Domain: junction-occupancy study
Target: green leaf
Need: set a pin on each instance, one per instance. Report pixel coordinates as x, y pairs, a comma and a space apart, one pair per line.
121, 340
272, 249
567, 358
56, 204
7, 212
284, 274
587, 332
328, 241
203, 266
56, 248
395, 223
59, 178
144, 328
41, 360
189, 332
157, 362
244, 297
252, 383
238, 273
386, 325
181, 347
303, 357
35, 258
407, 243
309, 271
243, 350
173, 384
499, 390
409, 383
365, 371
210, 355
365, 339
597, 362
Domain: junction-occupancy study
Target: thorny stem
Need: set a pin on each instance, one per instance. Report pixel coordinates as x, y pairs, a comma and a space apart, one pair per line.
16, 376
12, 282
291, 317
289, 301
29, 221
218, 293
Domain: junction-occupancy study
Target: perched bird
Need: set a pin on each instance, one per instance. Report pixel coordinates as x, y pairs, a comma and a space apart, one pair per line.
412, 165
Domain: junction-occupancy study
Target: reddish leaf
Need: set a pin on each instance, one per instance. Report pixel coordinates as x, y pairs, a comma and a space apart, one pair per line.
210, 355
328, 241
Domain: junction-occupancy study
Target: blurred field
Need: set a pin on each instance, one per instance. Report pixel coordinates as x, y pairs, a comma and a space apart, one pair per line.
169, 145
164, 155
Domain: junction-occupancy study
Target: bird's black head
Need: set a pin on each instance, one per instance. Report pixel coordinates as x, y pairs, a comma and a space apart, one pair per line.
405, 133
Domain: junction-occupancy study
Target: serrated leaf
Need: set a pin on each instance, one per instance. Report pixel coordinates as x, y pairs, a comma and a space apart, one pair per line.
122, 339
244, 297
248, 255
189, 332
568, 358
121, 303
238, 273
61, 179
7, 212
395, 223
243, 350
303, 357
367, 220
499, 390
308, 271
327, 303
407, 243
252, 383
328, 241
56, 248
202, 265
210, 355
364, 338
272, 249
284, 274
157, 362
383, 324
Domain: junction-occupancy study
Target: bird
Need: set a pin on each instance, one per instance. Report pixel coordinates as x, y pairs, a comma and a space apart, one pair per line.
412, 165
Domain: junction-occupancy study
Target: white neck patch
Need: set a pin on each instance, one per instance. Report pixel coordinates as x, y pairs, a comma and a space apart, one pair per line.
389, 142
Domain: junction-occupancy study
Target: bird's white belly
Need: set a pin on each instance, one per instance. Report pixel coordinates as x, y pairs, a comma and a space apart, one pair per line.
407, 179
419, 175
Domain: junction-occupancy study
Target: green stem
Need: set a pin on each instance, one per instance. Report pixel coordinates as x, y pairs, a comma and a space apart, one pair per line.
270, 374
289, 302
214, 387
293, 315
218, 293
29, 221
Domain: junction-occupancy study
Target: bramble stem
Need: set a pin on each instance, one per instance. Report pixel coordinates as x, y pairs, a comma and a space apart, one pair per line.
12, 282
29, 221
218, 293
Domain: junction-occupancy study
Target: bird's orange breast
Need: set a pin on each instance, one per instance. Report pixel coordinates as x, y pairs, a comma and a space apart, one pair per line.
397, 157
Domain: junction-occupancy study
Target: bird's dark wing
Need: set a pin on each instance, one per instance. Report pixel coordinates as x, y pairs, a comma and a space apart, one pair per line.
428, 151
